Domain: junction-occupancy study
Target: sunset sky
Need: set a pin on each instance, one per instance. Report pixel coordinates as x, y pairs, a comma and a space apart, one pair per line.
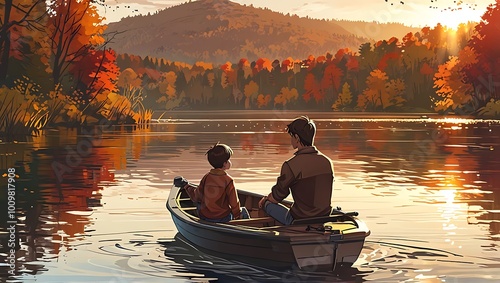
412, 12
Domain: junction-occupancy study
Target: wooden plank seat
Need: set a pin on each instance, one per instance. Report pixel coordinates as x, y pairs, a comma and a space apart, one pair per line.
252, 221
189, 208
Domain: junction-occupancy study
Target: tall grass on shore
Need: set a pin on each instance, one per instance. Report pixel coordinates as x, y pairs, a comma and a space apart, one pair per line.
127, 107
25, 109
19, 113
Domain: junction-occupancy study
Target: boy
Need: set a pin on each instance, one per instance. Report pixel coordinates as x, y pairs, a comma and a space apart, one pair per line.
216, 195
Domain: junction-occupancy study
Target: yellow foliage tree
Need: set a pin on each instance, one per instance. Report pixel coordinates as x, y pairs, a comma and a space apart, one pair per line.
381, 93
344, 99
395, 91
263, 100
129, 78
167, 85
285, 96
371, 96
251, 90
290, 94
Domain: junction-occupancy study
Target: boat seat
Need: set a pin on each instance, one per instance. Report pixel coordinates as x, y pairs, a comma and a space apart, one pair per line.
189, 208
258, 220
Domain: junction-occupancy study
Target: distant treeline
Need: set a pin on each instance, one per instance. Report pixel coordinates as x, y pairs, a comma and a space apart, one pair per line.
436, 69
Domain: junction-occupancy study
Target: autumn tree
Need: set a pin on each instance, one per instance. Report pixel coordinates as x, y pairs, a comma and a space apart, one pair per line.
286, 96
96, 72
128, 78
312, 89
228, 75
332, 77
251, 91
419, 66
22, 22
74, 27
380, 92
263, 100
452, 92
344, 99
167, 86
484, 74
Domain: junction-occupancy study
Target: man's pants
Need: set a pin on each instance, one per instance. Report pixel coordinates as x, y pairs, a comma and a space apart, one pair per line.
279, 212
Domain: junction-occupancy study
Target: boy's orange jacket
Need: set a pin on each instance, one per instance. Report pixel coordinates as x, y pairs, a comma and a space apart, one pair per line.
217, 195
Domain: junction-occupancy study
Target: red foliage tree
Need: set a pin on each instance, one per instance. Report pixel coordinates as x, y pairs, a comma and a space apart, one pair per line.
97, 71
312, 89
485, 73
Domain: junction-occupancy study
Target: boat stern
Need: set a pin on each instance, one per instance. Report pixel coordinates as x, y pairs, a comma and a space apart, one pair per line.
341, 244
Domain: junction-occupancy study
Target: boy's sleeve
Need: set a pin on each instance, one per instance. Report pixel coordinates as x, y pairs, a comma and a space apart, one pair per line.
234, 202
195, 192
282, 188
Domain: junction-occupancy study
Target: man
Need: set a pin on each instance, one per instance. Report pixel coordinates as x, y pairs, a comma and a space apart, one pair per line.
308, 175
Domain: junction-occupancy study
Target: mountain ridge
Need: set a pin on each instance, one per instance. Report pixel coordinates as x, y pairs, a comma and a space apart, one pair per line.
218, 31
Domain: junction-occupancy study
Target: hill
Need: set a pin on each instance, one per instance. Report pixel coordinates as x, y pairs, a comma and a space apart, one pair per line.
218, 31
376, 31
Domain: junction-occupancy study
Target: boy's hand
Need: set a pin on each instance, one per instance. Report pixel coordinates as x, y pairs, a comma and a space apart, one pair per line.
180, 181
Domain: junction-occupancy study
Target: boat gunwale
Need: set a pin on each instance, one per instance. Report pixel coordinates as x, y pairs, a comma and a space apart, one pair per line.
271, 232
218, 227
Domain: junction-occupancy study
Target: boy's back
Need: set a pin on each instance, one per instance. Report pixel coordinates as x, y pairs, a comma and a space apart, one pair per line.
216, 194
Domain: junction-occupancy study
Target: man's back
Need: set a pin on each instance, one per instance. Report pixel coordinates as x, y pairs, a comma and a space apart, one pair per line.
309, 175
312, 191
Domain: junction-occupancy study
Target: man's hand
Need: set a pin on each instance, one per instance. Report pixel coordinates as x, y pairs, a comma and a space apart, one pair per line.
180, 182
269, 198
262, 202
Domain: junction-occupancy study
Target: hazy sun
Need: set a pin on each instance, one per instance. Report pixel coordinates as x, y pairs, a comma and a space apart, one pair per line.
453, 18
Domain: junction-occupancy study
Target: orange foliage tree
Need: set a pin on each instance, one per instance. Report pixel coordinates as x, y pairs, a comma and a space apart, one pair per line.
74, 28
452, 92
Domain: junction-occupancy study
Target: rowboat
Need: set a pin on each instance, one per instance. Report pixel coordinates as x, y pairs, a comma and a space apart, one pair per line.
313, 244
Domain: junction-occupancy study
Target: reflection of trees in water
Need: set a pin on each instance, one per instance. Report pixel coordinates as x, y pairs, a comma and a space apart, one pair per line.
49, 207
484, 208
51, 213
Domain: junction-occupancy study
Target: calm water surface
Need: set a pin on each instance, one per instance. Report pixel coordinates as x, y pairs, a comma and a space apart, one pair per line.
428, 188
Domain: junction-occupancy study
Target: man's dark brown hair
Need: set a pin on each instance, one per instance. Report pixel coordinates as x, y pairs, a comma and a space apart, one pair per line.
304, 128
219, 154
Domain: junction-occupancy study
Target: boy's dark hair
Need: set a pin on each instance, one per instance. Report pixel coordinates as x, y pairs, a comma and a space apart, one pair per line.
219, 154
304, 128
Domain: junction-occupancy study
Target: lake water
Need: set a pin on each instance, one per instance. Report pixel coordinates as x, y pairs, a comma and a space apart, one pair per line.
91, 208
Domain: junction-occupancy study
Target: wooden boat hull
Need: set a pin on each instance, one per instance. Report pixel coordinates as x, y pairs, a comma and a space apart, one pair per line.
307, 244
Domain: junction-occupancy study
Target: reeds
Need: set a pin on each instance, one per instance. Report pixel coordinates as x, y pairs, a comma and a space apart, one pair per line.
24, 109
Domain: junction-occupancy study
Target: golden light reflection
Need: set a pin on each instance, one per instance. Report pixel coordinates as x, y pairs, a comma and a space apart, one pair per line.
450, 212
